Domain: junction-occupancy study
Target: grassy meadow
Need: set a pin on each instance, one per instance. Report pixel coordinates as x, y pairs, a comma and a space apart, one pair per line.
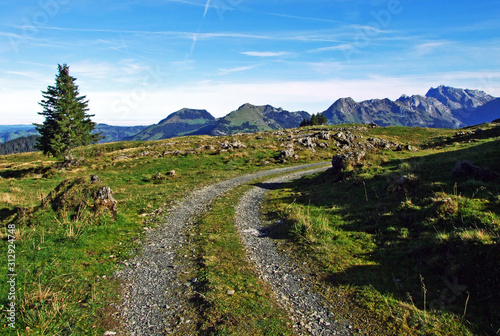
417, 258
402, 241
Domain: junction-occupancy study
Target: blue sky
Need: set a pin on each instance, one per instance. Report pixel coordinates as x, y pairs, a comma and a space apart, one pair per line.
139, 60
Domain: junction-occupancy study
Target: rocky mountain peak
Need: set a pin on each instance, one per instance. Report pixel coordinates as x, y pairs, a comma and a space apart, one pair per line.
443, 106
271, 109
462, 102
459, 99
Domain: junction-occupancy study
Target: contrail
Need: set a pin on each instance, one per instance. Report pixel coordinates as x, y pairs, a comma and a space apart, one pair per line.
207, 6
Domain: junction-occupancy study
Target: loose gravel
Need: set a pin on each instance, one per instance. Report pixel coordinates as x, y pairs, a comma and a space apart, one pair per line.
309, 313
153, 298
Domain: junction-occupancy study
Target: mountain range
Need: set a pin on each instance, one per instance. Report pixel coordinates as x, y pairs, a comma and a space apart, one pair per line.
111, 133
441, 107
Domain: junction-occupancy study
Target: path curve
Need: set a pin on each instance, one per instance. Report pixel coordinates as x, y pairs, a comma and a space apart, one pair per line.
152, 292
310, 314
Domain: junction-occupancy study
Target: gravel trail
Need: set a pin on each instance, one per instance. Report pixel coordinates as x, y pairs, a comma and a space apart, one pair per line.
309, 313
153, 296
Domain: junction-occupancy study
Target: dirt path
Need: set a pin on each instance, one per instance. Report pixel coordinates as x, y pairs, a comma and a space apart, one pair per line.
153, 299
310, 314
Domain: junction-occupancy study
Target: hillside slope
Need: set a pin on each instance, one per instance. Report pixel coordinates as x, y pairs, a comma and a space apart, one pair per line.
183, 122
117, 133
250, 118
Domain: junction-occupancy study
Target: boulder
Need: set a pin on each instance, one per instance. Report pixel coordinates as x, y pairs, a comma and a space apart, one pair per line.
342, 161
382, 144
287, 153
307, 142
323, 135
403, 183
233, 145
467, 169
410, 148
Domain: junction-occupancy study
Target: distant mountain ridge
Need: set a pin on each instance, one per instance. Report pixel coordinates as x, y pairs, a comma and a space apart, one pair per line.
247, 118
111, 133
443, 107
11, 132
183, 122
250, 118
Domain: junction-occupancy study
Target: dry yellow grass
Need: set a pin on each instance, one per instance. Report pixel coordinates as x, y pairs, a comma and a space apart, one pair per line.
7, 199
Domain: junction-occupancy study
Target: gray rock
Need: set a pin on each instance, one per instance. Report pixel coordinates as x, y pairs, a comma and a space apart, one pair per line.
382, 143
467, 169
233, 145
323, 135
406, 147
287, 153
341, 161
307, 142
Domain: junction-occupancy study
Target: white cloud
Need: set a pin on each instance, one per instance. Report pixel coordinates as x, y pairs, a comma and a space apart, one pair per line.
266, 53
305, 18
326, 67
149, 104
339, 47
28, 74
20, 106
429, 47
223, 72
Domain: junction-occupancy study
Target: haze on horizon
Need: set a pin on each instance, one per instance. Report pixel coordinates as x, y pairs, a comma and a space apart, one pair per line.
139, 61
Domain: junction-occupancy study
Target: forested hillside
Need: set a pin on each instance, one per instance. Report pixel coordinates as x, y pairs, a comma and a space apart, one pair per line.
19, 145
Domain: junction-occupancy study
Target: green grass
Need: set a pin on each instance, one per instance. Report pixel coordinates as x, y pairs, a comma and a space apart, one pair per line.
381, 243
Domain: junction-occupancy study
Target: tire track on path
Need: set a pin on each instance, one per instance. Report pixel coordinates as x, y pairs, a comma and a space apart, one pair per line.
153, 296
309, 313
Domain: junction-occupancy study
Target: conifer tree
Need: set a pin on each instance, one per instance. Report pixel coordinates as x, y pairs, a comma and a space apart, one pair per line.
314, 120
67, 124
322, 120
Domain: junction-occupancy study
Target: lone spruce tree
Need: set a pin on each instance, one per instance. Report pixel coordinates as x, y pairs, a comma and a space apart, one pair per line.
67, 124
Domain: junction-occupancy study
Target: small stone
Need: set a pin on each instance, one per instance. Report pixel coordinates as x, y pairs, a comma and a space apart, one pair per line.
230, 292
